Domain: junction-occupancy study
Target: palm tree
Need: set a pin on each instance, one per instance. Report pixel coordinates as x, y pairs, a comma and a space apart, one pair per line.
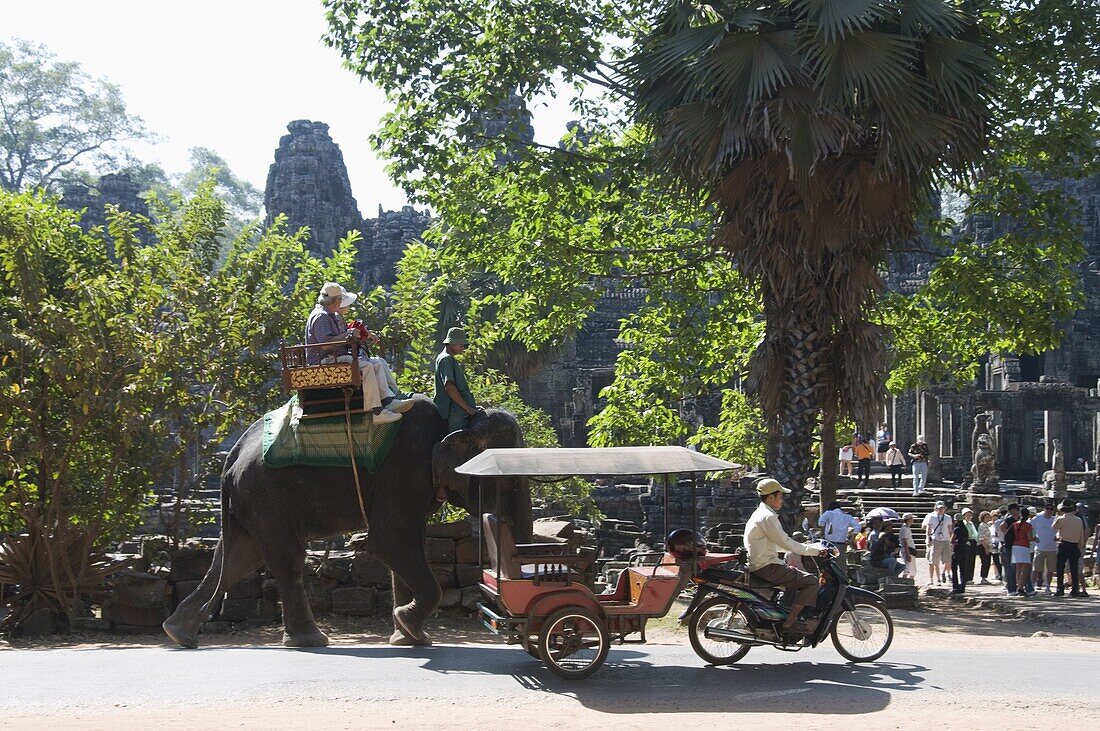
818, 128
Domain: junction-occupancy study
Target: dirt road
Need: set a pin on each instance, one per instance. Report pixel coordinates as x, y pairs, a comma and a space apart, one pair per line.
467, 682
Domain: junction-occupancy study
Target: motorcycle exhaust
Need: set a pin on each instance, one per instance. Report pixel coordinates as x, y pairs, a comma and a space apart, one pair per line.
727, 634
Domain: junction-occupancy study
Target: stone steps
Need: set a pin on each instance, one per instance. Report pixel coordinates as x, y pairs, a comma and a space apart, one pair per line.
903, 501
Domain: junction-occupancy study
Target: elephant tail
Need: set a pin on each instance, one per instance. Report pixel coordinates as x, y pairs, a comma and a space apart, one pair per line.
214, 605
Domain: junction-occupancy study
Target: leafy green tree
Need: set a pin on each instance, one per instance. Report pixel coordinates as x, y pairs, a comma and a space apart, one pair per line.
222, 318
692, 338
420, 308
53, 116
241, 198
76, 405
116, 371
817, 130
557, 224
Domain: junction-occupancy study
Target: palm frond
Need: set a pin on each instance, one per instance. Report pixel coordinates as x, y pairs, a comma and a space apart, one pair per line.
745, 68
930, 16
864, 67
816, 127
835, 19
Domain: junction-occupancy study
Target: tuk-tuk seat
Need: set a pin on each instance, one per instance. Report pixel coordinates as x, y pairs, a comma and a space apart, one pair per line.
528, 560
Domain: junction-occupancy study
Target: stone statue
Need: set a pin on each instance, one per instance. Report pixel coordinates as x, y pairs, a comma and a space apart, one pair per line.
981, 426
983, 471
1058, 464
984, 467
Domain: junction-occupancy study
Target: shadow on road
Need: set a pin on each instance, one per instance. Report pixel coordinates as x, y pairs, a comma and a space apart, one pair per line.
630, 683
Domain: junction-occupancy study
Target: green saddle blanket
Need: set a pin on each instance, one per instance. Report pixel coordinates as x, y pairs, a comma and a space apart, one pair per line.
291, 440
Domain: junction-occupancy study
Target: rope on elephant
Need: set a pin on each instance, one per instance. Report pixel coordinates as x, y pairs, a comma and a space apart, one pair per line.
351, 454
291, 440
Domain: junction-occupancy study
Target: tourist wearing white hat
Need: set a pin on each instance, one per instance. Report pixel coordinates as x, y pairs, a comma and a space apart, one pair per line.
326, 325
895, 461
323, 326
379, 386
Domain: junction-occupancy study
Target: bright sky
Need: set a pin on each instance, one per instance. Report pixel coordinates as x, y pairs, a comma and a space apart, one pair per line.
225, 74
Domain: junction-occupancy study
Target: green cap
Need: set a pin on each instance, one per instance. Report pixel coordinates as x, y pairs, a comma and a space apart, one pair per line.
455, 336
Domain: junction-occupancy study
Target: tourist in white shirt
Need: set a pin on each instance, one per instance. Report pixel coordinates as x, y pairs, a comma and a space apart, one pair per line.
836, 528
908, 546
847, 454
938, 526
1046, 547
895, 461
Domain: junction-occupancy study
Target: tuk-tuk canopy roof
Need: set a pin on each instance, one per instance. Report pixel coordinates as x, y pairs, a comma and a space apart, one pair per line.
560, 461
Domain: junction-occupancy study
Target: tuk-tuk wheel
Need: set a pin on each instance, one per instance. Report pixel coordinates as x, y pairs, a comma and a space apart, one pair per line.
573, 643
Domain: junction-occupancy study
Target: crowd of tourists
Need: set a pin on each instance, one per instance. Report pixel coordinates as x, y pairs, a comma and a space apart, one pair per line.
855, 458
1026, 550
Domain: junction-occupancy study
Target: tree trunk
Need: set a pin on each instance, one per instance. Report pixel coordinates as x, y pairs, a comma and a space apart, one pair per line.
793, 363
827, 474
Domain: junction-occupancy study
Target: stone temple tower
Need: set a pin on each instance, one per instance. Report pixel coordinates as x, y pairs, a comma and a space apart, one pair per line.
309, 183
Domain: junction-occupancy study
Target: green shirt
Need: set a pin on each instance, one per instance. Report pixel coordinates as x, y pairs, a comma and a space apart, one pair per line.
449, 370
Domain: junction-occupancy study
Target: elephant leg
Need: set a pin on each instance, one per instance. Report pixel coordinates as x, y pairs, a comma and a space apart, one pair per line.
286, 561
242, 557
402, 595
416, 595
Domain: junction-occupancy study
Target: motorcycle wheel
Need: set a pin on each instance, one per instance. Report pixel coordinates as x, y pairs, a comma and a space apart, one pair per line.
864, 633
724, 614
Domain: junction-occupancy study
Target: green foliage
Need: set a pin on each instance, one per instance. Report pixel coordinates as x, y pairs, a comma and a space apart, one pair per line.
429, 297
76, 409
557, 225
445, 64
1012, 294
693, 337
1048, 108
739, 436
117, 371
494, 389
414, 328
241, 198
55, 116
50, 568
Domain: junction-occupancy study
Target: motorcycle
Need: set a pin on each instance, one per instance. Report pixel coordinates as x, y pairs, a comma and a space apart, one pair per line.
732, 612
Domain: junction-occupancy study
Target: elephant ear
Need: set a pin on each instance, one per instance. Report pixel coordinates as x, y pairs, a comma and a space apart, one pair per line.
457, 447
494, 428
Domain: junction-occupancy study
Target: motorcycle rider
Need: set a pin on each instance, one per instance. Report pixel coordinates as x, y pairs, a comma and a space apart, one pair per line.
764, 537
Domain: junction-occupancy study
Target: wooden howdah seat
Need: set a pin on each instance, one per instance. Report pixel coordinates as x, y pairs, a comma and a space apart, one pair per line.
530, 561
321, 388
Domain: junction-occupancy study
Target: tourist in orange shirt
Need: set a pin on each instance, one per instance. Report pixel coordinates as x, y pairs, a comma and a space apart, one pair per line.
864, 453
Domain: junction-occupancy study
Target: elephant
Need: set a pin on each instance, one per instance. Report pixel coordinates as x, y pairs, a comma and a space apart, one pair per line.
269, 514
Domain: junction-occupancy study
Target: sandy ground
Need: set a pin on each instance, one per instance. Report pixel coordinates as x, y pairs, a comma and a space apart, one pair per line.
939, 623
812, 689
